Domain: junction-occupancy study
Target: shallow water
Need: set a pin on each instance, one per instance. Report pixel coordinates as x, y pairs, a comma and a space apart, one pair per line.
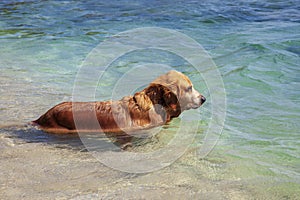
254, 44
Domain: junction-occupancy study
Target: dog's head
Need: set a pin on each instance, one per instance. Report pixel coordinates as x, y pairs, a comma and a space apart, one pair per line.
181, 86
174, 91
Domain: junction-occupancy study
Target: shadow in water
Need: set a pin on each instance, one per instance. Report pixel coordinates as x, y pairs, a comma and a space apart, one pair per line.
93, 141
29, 134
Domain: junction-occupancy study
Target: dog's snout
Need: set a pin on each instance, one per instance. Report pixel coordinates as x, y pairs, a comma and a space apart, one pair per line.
203, 99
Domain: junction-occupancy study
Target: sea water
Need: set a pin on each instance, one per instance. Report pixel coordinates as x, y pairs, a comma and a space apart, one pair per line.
255, 46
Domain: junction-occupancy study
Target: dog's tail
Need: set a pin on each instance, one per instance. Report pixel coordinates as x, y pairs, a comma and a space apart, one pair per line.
34, 123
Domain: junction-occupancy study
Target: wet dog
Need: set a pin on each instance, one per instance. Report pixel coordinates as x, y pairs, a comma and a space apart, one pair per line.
165, 98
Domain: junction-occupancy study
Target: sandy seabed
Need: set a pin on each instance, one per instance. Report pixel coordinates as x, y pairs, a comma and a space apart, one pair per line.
44, 171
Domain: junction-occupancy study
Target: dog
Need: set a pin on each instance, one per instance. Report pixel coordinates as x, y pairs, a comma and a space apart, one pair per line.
165, 98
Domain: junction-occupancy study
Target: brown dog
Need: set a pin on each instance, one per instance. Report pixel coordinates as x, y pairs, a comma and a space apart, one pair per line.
166, 97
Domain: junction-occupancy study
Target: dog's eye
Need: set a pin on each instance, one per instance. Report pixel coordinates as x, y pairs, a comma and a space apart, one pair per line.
189, 89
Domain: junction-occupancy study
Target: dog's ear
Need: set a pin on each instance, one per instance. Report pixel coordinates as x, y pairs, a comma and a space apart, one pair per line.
162, 95
172, 103
143, 100
171, 100
155, 93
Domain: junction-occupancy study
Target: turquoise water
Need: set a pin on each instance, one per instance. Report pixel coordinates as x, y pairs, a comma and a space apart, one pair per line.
255, 45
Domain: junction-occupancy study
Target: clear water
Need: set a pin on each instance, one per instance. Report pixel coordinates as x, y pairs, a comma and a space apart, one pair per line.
256, 46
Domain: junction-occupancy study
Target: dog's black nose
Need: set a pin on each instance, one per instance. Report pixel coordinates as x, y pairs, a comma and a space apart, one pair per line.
203, 99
